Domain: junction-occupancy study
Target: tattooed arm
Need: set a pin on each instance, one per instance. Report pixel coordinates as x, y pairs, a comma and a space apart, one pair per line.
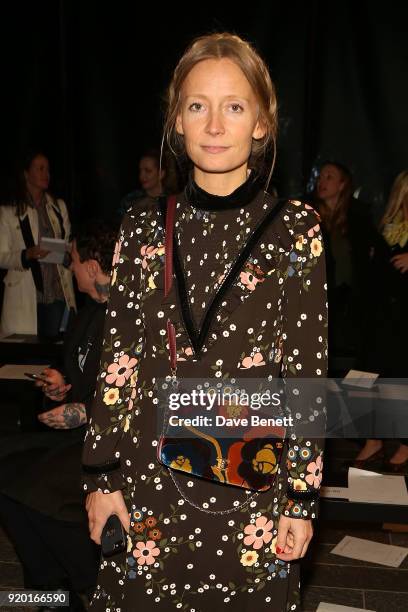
67, 416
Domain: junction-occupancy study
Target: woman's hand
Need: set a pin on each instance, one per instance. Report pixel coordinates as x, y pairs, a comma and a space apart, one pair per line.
67, 416
36, 252
294, 536
100, 506
54, 387
400, 262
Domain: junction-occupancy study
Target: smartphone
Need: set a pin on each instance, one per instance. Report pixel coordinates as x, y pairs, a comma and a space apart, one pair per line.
36, 377
113, 538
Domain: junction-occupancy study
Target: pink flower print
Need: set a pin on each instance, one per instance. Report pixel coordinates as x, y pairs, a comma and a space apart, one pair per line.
258, 534
313, 230
315, 468
132, 397
187, 351
145, 553
120, 372
147, 251
251, 276
116, 254
249, 280
255, 361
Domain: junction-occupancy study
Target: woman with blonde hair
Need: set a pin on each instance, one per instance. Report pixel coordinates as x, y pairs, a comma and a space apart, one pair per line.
247, 298
394, 224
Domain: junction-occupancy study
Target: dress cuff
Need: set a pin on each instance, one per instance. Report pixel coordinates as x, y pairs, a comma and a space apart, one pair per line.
107, 479
305, 508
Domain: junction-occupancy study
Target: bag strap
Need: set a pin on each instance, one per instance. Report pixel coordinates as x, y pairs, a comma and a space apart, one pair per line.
168, 262
168, 244
168, 276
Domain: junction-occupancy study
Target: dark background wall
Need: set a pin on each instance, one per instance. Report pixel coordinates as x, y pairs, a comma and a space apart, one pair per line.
85, 81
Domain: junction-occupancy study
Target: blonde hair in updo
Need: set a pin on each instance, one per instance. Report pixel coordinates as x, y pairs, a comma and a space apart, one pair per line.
219, 46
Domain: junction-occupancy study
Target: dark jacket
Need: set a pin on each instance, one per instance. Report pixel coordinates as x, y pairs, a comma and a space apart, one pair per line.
46, 465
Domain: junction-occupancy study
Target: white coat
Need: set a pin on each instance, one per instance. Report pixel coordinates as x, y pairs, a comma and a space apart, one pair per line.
19, 313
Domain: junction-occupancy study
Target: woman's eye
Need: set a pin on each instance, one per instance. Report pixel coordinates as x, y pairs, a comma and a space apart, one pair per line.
237, 108
195, 107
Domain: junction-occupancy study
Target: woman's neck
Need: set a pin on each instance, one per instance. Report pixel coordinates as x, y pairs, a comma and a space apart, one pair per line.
155, 192
221, 184
36, 194
332, 202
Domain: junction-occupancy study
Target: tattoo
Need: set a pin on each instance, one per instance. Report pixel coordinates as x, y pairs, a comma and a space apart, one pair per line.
102, 291
51, 421
74, 415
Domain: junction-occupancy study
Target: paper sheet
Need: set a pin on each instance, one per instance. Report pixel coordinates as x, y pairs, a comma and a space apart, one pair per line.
358, 378
329, 607
334, 492
16, 372
57, 248
371, 487
373, 552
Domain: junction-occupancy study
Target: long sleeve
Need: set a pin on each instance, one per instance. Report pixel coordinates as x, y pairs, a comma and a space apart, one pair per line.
305, 360
10, 256
120, 359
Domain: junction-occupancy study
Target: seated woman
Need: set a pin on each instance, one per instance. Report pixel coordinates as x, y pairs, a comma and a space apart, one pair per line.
41, 507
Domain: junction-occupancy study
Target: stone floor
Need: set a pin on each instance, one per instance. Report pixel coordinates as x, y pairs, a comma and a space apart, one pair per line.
334, 579
326, 577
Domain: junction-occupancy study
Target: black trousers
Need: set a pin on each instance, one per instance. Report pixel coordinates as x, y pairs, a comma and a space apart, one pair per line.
53, 553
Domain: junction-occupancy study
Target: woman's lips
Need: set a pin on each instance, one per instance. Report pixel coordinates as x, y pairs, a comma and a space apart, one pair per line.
213, 149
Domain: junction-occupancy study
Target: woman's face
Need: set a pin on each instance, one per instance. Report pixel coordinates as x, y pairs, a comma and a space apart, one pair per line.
219, 116
38, 174
149, 174
330, 182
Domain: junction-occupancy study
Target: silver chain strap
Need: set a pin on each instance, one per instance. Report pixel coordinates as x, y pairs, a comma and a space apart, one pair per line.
174, 383
205, 510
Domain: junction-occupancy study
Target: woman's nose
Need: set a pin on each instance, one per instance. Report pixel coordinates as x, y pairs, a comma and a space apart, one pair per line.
215, 124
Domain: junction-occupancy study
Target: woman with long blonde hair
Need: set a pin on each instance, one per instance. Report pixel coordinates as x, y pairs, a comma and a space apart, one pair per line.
246, 299
394, 224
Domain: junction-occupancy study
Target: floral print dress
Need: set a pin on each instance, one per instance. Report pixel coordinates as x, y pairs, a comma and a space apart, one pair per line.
270, 320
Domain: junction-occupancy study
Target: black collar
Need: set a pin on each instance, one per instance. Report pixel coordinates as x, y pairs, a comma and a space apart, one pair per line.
242, 196
198, 336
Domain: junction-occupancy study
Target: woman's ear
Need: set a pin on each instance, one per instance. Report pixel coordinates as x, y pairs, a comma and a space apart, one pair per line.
259, 130
93, 268
179, 124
